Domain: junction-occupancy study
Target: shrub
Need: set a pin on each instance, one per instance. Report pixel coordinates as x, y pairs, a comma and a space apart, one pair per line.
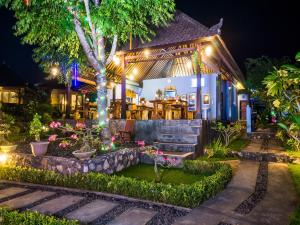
183, 195
8, 217
216, 149
36, 127
201, 167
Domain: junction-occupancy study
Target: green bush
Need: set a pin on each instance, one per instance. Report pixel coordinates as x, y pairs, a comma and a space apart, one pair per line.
8, 217
183, 195
201, 167
217, 149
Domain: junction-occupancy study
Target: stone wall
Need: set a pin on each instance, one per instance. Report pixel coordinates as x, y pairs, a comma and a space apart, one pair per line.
107, 163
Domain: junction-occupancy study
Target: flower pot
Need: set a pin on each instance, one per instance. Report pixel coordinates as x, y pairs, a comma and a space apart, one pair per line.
84, 155
39, 148
8, 148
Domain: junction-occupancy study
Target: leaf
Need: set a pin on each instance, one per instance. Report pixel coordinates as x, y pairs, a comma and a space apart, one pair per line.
298, 57
283, 126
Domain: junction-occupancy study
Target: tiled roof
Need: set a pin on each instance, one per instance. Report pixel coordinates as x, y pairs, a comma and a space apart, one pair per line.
183, 28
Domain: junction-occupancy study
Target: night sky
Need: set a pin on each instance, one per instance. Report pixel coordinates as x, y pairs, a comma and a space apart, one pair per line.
251, 29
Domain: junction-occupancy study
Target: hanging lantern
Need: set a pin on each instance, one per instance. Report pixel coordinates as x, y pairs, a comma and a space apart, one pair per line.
26, 2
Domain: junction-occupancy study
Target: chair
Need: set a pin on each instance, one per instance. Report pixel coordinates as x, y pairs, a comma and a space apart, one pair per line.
127, 133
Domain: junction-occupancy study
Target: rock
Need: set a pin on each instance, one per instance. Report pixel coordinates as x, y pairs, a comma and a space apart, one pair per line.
60, 168
92, 166
99, 168
85, 169
106, 165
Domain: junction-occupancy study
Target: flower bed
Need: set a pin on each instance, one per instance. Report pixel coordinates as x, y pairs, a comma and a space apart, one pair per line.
106, 163
8, 217
182, 195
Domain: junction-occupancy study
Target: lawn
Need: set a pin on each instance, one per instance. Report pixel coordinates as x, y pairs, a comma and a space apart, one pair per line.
170, 175
295, 171
239, 144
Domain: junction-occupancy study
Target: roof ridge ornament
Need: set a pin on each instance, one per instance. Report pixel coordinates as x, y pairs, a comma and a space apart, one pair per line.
216, 29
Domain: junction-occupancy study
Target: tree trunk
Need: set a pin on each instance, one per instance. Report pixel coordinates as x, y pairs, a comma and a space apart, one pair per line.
102, 98
68, 105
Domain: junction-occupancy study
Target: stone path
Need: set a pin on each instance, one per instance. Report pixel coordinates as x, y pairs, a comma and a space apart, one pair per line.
91, 208
272, 206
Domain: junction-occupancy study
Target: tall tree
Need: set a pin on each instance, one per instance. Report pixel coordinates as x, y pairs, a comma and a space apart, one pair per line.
258, 68
91, 26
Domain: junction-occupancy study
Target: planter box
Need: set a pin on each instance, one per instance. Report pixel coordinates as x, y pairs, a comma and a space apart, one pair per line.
107, 163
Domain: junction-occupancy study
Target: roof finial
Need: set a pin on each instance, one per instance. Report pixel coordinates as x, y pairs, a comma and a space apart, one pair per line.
216, 29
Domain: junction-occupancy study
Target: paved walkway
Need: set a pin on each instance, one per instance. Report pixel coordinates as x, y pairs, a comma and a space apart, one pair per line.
273, 207
91, 208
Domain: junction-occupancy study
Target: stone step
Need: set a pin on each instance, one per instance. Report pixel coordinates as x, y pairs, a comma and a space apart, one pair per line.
176, 147
182, 129
134, 216
27, 199
181, 122
91, 211
55, 205
182, 139
7, 192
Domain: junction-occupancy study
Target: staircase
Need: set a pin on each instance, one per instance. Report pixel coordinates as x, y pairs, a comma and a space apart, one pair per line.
179, 137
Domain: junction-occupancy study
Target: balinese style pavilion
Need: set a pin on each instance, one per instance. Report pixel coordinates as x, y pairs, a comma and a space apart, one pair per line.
184, 72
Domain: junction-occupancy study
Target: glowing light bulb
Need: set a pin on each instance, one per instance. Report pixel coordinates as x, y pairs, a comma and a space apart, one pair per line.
54, 71
116, 60
3, 158
208, 50
146, 53
135, 71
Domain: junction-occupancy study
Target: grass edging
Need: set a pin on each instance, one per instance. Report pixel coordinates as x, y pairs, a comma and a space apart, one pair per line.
295, 172
182, 195
8, 217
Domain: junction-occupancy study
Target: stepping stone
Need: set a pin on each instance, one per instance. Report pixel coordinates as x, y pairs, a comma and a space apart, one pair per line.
11, 191
27, 199
134, 216
91, 211
55, 205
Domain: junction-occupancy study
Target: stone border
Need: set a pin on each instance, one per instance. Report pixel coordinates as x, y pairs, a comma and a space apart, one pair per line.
260, 191
108, 163
262, 156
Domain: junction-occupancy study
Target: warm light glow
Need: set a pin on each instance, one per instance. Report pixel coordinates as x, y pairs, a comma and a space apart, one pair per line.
189, 64
208, 50
3, 158
239, 86
54, 71
135, 71
146, 53
116, 60
131, 77
112, 84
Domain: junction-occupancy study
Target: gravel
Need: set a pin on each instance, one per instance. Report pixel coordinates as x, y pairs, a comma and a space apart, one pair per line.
260, 191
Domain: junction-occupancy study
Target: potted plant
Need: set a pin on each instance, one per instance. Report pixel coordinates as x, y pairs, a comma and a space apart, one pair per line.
6, 127
38, 147
89, 139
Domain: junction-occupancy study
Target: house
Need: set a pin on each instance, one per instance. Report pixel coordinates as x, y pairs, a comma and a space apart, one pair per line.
185, 61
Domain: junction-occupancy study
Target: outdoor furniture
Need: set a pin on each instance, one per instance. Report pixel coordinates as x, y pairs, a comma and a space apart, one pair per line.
127, 133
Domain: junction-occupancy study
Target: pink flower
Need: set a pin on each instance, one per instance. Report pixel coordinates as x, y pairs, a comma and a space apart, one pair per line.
141, 143
52, 138
80, 125
74, 137
159, 152
64, 144
55, 124
174, 160
113, 138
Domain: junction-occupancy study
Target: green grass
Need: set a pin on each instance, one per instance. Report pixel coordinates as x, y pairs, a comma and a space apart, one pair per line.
295, 171
170, 175
293, 153
239, 144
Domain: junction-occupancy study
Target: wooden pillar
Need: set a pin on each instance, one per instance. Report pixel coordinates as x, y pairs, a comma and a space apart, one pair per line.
199, 87
123, 88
